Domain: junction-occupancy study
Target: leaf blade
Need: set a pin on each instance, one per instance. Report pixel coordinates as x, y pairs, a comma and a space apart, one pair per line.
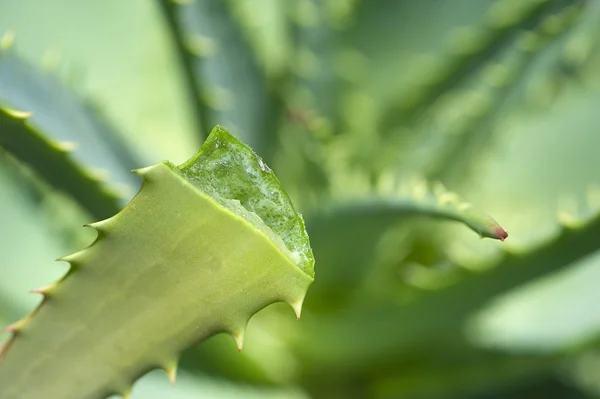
204, 269
52, 161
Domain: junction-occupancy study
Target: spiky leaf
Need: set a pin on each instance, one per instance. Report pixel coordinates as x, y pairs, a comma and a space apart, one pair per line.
198, 251
224, 80
420, 325
346, 232
65, 117
53, 162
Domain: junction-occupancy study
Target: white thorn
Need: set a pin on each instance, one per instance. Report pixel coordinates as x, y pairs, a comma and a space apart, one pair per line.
68, 258
238, 337
18, 114
297, 306
66, 146
171, 370
99, 174
142, 171
100, 225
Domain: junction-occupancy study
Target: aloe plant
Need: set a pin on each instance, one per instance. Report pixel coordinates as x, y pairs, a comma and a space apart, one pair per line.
371, 115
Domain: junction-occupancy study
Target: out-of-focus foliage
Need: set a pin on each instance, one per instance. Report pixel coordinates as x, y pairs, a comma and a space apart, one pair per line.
348, 100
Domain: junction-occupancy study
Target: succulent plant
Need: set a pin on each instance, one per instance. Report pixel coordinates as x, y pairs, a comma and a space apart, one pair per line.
371, 115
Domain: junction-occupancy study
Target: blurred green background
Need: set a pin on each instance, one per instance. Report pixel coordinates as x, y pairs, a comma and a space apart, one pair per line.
497, 99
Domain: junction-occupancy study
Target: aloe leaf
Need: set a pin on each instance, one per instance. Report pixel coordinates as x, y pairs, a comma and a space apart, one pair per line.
223, 77
457, 143
421, 326
52, 161
471, 49
50, 205
198, 251
193, 83
344, 234
316, 43
63, 116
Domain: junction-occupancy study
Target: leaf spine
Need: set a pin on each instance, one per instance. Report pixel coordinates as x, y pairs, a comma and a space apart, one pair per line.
17, 326
126, 394
17, 113
72, 258
238, 337
297, 306
171, 371
46, 290
100, 226
66, 146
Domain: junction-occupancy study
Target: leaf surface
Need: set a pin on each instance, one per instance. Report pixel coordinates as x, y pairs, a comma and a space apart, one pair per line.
176, 266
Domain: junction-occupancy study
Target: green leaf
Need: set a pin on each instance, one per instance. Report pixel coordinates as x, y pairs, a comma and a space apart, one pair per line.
176, 266
458, 144
345, 233
223, 78
471, 48
315, 42
465, 121
439, 317
64, 117
53, 162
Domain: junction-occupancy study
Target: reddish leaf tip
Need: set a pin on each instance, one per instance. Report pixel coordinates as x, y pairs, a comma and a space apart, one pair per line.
501, 234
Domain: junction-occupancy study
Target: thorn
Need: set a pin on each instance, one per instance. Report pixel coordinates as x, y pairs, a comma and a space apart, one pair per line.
43, 290
141, 171
171, 370
66, 146
101, 225
238, 337
16, 326
297, 306
101, 175
126, 394
18, 114
68, 258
